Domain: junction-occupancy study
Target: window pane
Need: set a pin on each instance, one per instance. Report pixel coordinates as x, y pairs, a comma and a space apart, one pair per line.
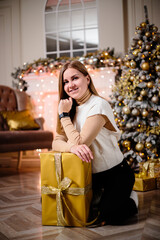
51, 5
76, 4
51, 42
50, 22
91, 51
89, 3
64, 5
78, 39
67, 54
63, 21
78, 54
91, 17
64, 41
54, 56
91, 38
77, 19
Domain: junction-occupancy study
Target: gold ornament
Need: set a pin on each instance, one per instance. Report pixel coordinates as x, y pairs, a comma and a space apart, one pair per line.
135, 112
132, 78
155, 28
150, 84
148, 145
144, 113
147, 34
127, 63
120, 124
158, 47
148, 47
142, 155
130, 161
143, 24
145, 66
139, 146
126, 144
155, 37
140, 42
157, 68
143, 77
155, 99
135, 52
140, 98
128, 125
132, 64
143, 92
159, 94
126, 110
115, 114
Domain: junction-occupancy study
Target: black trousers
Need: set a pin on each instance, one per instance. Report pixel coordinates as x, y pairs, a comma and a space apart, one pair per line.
111, 194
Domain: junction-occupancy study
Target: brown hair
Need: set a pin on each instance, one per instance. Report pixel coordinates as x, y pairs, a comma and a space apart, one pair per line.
63, 95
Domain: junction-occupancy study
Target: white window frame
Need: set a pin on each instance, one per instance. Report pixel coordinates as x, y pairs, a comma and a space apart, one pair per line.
71, 51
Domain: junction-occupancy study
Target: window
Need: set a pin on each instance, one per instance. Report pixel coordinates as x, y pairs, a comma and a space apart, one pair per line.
71, 28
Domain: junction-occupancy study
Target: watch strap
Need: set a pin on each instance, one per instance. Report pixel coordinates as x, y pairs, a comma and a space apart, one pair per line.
63, 114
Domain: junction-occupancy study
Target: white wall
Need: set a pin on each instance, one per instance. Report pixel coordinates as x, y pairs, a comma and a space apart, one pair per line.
32, 29
111, 32
21, 35
10, 46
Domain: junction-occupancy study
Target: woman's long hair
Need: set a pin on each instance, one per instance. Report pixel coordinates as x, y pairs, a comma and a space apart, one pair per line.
63, 95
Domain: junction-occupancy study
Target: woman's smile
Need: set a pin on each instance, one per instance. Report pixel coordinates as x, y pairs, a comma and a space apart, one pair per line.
73, 90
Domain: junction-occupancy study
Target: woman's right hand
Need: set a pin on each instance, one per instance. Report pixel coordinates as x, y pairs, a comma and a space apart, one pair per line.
65, 105
83, 152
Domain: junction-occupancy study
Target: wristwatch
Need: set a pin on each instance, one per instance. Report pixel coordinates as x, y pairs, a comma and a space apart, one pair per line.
63, 114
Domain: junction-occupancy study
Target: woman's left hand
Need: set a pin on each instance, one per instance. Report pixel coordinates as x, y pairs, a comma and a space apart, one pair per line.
65, 105
83, 152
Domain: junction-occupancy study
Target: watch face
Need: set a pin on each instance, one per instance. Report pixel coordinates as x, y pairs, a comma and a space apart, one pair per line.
64, 114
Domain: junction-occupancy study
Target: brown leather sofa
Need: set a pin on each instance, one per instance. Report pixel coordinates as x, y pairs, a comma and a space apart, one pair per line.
12, 100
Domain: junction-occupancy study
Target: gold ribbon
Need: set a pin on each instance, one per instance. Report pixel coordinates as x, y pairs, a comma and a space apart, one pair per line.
148, 168
63, 187
154, 130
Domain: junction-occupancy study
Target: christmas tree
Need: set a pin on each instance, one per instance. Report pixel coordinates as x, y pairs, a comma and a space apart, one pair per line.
136, 96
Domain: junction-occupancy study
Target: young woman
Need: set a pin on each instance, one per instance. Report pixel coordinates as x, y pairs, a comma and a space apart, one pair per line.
86, 127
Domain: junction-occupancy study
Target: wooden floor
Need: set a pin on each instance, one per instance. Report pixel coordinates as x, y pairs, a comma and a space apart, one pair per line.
20, 213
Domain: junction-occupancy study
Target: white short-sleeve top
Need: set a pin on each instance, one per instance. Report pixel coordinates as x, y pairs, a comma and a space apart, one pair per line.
106, 151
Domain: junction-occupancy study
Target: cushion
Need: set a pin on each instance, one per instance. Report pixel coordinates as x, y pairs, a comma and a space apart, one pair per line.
20, 120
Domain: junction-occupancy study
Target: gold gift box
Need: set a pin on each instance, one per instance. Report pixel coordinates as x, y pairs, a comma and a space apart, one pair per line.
144, 183
66, 189
150, 168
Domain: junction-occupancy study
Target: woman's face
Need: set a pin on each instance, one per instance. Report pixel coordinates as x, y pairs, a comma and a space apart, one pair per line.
75, 83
